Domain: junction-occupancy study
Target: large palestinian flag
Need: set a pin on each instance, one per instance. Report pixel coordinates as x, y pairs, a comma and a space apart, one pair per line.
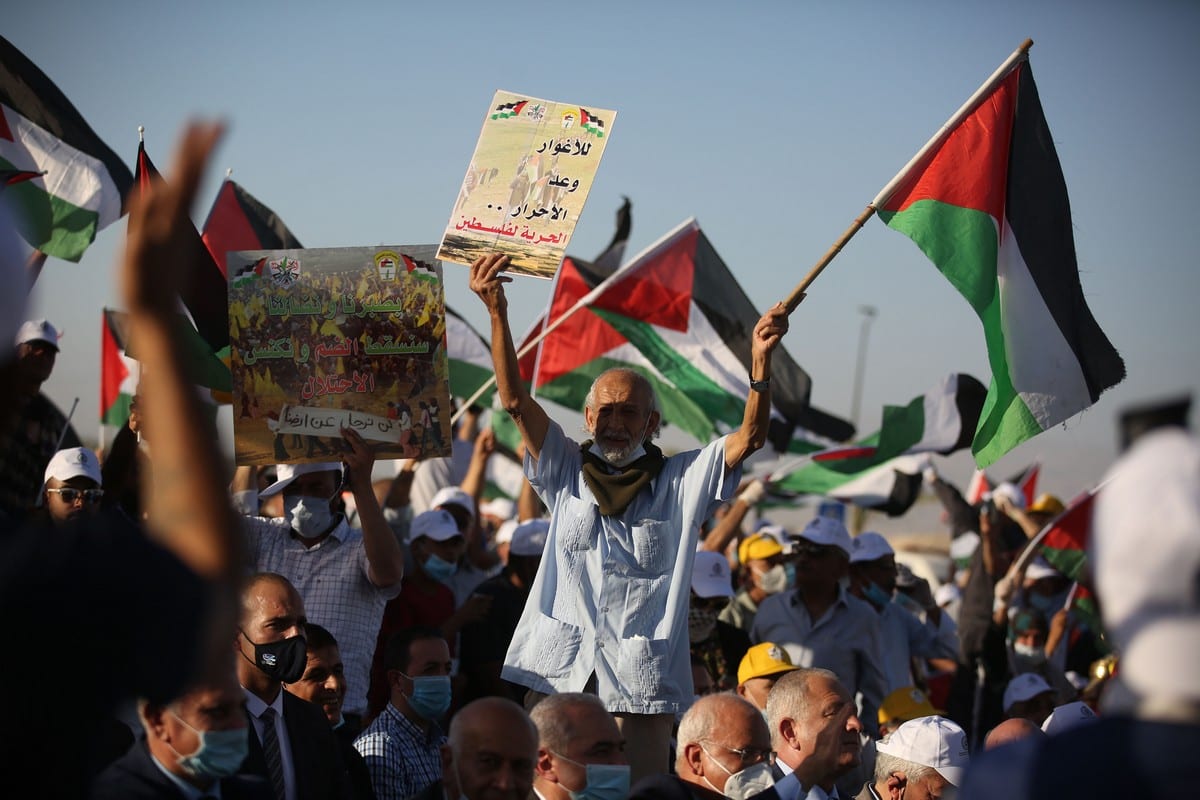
85, 183
239, 221
989, 207
676, 314
883, 471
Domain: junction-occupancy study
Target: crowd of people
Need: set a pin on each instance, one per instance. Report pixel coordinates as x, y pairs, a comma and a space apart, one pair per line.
306, 631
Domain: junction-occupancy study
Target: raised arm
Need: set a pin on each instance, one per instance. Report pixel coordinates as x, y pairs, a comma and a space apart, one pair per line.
188, 510
768, 332
385, 559
531, 418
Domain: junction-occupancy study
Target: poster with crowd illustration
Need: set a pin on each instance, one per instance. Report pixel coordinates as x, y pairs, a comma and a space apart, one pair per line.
532, 169
348, 337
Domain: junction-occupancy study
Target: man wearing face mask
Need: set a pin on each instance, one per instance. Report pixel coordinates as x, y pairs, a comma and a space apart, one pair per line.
344, 575
719, 645
762, 574
722, 750
904, 636
609, 605
425, 600
291, 742
581, 754
402, 747
193, 746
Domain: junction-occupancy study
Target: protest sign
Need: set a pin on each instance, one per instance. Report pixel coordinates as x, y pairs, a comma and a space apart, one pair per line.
342, 337
527, 182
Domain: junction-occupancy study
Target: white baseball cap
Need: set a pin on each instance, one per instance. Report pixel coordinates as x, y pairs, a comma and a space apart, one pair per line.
453, 496
37, 330
529, 538
934, 742
286, 473
1025, 686
710, 575
74, 462
827, 530
869, 546
1145, 551
500, 507
1068, 716
437, 524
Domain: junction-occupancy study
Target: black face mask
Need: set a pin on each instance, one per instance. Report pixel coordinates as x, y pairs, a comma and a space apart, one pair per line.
284, 660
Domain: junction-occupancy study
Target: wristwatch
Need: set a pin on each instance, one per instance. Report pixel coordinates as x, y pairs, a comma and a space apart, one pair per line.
760, 386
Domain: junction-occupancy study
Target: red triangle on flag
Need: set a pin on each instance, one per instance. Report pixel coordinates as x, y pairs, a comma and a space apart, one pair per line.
113, 371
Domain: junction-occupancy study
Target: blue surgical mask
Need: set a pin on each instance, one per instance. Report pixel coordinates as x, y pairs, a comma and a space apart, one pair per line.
790, 569
309, 516
603, 781
877, 596
439, 569
430, 696
220, 755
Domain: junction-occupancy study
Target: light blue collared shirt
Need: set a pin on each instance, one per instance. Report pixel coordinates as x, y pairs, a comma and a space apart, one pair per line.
611, 596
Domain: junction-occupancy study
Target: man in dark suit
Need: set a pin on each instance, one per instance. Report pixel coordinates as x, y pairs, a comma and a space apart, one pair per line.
291, 741
193, 744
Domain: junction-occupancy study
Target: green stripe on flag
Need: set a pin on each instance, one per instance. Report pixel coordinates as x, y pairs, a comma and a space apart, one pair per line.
56, 227
118, 413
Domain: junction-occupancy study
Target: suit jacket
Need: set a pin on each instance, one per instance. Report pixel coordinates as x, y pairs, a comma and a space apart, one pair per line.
135, 776
664, 787
320, 772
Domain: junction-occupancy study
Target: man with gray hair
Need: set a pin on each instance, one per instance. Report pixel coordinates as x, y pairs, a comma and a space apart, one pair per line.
919, 759
580, 749
815, 732
722, 750
609, 606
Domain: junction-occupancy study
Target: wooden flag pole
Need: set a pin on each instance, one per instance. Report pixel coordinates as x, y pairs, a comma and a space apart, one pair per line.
885, 194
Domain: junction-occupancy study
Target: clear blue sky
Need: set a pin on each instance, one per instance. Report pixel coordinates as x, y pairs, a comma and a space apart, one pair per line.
773, 123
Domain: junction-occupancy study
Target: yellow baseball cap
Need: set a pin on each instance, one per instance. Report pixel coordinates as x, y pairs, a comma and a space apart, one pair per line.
764, 660
905, 704
1048, 504
758, 546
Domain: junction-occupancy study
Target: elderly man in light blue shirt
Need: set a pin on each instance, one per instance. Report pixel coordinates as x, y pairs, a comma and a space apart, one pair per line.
609, 605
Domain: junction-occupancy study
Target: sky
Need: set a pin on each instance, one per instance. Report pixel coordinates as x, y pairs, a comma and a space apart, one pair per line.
772, 123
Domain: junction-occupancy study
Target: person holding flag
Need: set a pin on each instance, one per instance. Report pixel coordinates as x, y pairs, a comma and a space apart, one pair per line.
608, 608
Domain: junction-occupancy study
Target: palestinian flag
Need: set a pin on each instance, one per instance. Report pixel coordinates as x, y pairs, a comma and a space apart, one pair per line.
677, 315
84, 184
883, 471
208, 370
203, 288
118, 372
238, 221
470, 359
1064, 546
989, 207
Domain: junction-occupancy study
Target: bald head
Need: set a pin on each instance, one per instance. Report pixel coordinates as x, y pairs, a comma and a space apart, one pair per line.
1010, 731
712, 734
493, 745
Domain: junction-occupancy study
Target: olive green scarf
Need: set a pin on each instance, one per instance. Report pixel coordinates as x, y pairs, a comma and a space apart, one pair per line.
614, 491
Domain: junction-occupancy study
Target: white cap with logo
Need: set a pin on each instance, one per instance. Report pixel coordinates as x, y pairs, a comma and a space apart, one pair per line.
827, 530
74, 462
710, 575
37, 330
934, 742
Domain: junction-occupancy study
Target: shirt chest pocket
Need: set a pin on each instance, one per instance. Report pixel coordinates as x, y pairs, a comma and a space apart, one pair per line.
579, 523
654, 545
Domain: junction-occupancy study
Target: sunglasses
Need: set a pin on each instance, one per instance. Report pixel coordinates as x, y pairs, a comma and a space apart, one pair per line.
69, 495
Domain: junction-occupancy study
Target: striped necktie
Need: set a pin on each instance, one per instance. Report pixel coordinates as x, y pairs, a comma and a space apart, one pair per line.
270, 743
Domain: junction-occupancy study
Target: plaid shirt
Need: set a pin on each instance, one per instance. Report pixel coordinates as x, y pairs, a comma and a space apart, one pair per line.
402, 758
332, 580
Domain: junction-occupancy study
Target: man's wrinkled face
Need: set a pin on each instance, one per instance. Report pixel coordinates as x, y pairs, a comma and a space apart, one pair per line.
595, 739
741, 740
496, 762
621, 418
71, 499
323, 682
828, 735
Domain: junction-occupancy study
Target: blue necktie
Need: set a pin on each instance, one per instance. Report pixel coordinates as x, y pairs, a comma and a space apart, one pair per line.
270, 745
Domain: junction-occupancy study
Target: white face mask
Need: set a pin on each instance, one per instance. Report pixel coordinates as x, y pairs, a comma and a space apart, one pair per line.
745, 783
309, 516
774, 580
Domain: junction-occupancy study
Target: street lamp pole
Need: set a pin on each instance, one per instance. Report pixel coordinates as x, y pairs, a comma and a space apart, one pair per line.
869, 313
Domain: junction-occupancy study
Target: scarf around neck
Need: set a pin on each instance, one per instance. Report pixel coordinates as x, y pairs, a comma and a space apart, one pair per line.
614, 487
